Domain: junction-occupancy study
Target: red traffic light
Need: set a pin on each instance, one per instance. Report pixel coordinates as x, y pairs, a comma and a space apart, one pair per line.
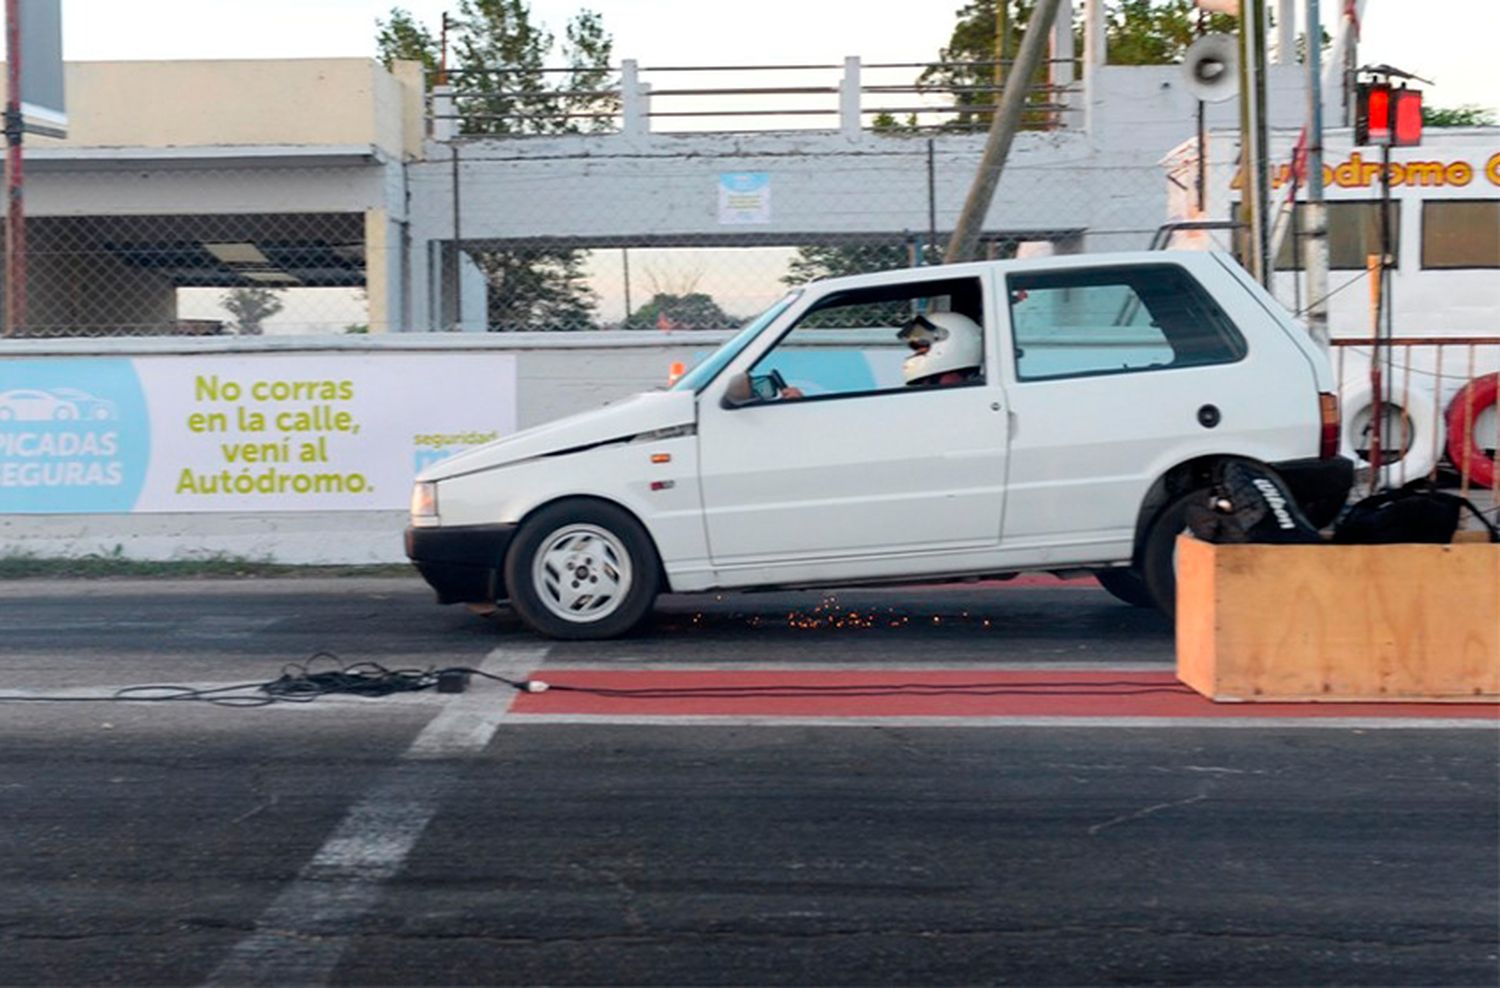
1386, 115
1407, 118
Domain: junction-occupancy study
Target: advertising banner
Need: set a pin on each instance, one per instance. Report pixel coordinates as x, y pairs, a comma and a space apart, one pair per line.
240, 432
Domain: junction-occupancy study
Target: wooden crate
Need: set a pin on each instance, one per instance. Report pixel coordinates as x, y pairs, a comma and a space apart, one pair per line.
1339, 622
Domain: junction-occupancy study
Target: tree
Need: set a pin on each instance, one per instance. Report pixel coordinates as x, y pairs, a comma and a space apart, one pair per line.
695, 310
965, 68
501, 87
1158, 32
1138, 32
251, 306
815, 261
497, 67
536, 288
404, 37
497, 58
1467, 115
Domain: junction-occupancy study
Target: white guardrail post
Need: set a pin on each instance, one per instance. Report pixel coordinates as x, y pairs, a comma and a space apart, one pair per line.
444, 117
635, 100
849, 98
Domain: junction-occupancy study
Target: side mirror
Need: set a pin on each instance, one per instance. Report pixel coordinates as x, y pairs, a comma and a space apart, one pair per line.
739, 392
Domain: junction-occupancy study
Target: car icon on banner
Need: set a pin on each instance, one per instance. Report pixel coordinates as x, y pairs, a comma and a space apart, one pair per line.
87, 405
25, 405
58, 405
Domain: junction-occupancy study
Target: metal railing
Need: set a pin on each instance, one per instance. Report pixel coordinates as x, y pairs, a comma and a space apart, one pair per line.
480, 102
1438, 417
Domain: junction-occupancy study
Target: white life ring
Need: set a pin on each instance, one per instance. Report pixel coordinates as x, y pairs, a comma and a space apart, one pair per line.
1424, 433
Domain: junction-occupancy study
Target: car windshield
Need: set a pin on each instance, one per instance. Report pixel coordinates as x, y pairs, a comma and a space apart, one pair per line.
705, 370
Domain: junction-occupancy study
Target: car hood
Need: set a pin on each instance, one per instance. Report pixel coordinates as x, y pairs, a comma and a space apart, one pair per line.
618, 422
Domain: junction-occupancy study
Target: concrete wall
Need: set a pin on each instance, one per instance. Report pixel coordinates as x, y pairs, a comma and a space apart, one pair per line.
161, 186
558, 374
241, 102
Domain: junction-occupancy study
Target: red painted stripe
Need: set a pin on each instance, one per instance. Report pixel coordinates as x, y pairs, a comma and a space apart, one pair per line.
970, 693
1021, 581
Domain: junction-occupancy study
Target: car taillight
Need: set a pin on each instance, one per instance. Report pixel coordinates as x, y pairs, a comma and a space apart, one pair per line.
1328, 437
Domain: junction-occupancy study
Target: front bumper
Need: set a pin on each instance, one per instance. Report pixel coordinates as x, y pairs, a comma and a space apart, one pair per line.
1321, 486
464, 564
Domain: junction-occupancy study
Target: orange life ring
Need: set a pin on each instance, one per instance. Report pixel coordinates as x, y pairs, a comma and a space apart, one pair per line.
1463, 446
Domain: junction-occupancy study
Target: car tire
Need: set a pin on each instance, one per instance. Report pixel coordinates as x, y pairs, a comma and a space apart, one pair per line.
1126, 585
582, 570
1159, 550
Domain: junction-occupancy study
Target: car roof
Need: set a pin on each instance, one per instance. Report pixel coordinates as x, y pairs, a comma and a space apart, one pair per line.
1056, 262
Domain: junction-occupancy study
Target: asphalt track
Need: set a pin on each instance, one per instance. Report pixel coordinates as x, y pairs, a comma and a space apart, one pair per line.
923, 786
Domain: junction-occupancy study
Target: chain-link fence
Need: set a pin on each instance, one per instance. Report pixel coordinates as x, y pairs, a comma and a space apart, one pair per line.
664, 198
197, 274
527, 260
627, 219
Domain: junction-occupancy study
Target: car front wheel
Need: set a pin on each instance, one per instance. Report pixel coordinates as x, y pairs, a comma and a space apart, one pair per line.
582, 570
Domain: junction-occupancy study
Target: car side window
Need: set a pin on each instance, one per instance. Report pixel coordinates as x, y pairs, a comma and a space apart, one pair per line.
1093, 321
866, 341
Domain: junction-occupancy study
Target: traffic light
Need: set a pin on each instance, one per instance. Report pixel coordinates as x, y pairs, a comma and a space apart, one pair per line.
1385, 114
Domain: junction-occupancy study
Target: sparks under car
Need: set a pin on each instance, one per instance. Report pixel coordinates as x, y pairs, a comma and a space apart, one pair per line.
951, 422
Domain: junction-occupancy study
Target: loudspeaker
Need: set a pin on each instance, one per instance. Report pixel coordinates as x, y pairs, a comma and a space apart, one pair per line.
1211, 66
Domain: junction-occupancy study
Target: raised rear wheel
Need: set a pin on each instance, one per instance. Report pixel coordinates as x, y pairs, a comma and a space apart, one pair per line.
1159, 550
1126, 584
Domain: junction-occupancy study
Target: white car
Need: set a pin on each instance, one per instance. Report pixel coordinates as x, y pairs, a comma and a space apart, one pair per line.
927, 424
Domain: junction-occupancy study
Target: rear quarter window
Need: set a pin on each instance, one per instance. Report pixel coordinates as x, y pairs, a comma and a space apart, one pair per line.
1116, 320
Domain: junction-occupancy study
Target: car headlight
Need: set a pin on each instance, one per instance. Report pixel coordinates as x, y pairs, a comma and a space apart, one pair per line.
424, 504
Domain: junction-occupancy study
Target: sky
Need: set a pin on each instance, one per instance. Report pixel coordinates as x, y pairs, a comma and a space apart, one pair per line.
1450, 42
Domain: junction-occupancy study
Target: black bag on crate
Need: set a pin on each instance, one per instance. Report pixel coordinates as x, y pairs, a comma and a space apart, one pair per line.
1414, 513
1250, 503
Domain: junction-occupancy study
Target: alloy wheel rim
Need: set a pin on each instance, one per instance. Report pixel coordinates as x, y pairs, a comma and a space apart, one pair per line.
582, 573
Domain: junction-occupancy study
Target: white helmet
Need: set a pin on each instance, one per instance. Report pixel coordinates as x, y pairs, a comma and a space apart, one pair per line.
943, 341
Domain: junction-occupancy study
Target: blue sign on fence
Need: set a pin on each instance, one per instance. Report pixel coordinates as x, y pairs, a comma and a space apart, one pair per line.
74, 435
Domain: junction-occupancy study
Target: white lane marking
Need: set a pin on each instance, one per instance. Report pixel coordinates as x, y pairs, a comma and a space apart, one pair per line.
744, 720
107, 692
223, 626
301, 936
466, 724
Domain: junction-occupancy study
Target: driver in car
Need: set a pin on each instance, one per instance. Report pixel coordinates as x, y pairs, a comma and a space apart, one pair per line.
947, 349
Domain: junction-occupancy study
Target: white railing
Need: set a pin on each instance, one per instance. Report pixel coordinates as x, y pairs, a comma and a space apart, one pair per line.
1440, 418
851, 97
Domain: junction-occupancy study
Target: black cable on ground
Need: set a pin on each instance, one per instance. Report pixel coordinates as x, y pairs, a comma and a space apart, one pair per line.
299, 682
